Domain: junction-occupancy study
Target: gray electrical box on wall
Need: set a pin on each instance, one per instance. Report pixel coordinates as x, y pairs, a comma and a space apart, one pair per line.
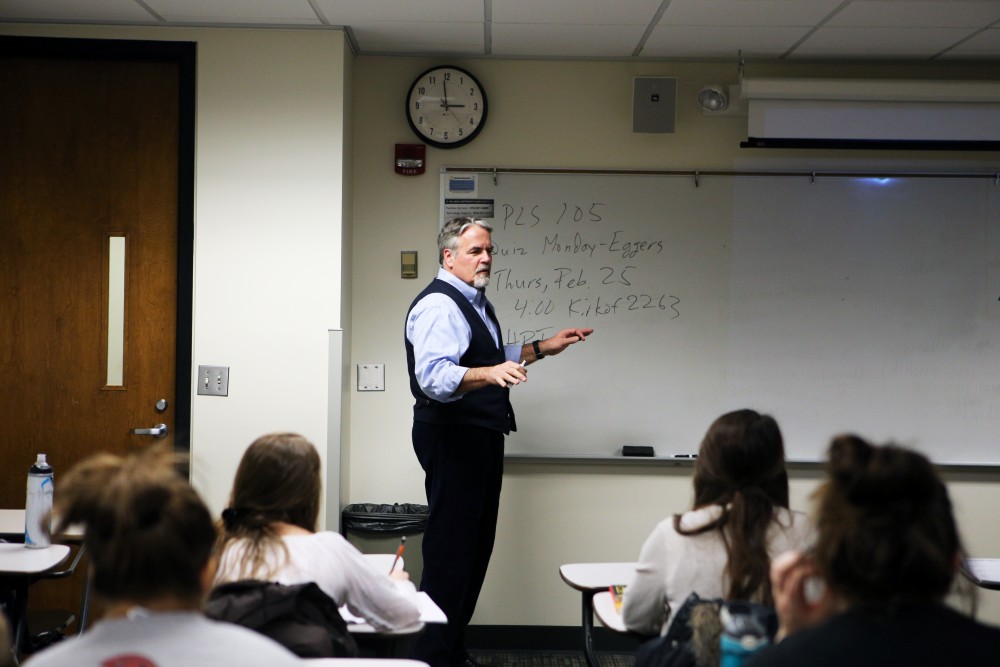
654, 104
371, 377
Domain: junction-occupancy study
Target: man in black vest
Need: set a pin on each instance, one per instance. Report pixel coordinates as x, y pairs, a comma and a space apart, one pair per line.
460, 375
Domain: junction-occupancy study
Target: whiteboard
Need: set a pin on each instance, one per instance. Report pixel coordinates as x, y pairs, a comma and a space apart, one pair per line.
838, 304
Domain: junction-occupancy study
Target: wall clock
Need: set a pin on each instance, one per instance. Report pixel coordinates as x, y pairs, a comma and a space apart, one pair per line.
446, 107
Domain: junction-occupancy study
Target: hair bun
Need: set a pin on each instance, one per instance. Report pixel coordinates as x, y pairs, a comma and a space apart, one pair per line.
148, 505
873, 477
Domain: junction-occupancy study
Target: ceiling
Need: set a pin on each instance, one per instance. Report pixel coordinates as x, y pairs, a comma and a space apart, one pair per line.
584, 29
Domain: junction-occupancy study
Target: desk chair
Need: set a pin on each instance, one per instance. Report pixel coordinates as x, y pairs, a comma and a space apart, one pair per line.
983, 572
391, 643
53, 623
591, 579
608, 613
20, 568
384, 644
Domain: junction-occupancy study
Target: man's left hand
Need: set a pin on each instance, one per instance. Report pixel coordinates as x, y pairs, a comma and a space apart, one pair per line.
553, 346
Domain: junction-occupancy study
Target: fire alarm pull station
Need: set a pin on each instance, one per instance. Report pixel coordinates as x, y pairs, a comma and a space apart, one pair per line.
410, 159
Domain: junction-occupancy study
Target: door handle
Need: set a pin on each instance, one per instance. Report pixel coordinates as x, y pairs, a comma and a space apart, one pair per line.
160, 431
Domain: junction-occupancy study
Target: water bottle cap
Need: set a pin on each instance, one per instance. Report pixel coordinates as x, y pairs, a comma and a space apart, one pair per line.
40, 459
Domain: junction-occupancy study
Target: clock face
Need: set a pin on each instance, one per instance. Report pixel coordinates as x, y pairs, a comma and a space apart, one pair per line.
446, 107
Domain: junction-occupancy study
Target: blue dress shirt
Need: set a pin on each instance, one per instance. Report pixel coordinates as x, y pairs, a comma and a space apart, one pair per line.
440, 335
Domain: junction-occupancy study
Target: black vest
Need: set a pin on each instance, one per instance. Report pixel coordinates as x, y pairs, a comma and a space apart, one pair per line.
488, 407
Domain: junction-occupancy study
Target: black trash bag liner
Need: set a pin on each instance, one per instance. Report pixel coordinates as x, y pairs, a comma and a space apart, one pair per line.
384, 519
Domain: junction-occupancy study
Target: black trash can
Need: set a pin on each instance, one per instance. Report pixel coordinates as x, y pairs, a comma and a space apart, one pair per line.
376, 529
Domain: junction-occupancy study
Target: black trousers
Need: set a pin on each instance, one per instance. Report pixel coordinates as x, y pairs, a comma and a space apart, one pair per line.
463, 472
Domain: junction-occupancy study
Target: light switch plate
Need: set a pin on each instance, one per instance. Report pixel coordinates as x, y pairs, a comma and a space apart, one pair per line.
213, 380
371, 377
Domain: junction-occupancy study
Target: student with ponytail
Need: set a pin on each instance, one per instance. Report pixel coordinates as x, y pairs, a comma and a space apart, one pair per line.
269, 534
871, 592
722, 547
149, 539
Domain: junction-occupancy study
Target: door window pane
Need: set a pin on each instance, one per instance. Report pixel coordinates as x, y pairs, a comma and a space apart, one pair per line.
116, 311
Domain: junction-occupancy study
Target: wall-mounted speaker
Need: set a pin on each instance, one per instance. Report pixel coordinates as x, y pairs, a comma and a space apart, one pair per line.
654, 104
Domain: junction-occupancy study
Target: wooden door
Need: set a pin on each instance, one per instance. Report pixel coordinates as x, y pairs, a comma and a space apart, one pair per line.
89, 193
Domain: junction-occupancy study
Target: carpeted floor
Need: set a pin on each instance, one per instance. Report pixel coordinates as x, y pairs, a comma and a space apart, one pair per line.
548, 659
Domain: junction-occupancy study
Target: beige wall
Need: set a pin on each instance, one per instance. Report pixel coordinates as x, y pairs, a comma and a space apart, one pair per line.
556, 114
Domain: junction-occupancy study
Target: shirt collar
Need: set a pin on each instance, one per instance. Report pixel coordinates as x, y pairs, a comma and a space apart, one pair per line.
468, 291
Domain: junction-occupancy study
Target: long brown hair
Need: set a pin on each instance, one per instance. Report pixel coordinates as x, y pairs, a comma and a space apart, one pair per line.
741, 467
886, 531
278, 480
148, 535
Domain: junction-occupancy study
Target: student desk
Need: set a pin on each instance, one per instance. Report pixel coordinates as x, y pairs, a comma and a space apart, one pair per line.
590, 579
385, 643
12, 528
984, 572
20, 567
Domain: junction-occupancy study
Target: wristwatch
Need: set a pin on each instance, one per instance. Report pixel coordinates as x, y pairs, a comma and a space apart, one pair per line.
538, 352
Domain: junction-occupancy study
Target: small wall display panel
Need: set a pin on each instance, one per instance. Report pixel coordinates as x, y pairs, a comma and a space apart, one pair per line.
865, 303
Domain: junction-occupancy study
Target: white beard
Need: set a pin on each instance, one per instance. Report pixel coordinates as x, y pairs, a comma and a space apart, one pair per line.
481, 280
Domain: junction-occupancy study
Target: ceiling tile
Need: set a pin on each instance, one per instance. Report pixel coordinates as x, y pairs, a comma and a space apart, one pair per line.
579, 12
908, 14
879, 42
399, 37
983, 45
95, 11
569, 41
720, 42
355, 12
249, 12
748, 12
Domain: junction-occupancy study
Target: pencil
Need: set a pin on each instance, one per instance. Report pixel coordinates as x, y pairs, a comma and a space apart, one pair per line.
399, 553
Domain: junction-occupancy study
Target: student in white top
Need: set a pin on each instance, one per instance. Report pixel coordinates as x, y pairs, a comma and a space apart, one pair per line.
269, 533
722, 548
149, 539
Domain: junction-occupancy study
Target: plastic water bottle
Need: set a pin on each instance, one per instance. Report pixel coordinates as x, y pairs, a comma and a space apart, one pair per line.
744, 633
38, 508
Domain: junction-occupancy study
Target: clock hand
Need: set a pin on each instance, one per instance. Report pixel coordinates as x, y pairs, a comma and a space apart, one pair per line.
444, 89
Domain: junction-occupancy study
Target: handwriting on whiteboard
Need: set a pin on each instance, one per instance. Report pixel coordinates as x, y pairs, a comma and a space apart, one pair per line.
573, 264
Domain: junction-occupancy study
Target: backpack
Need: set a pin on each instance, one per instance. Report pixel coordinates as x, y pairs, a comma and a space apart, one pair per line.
300, 617
693, 639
